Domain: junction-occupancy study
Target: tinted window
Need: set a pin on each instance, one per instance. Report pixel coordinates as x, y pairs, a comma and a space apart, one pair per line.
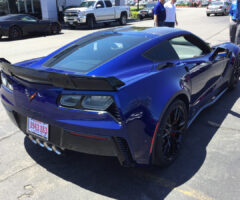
88, 4
92, 51
161, 52
100, 3
28, 19
189, 46
108, 3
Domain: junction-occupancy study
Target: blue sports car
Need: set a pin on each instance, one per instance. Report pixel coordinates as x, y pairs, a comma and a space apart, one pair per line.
128, 92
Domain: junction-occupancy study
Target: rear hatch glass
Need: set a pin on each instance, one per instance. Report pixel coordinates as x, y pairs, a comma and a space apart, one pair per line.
92, 51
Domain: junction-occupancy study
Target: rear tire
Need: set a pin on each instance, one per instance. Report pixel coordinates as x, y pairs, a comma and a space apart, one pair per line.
123, 19
233, 81
208, 14
90, 22
15, 33
169, 134
55, 29
0, 36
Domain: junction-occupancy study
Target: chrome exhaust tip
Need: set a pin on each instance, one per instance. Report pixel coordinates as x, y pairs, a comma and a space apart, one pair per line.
56, 150
32, 139
40, 143
47, 147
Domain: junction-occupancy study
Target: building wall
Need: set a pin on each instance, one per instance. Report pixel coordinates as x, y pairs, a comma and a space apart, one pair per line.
49, 9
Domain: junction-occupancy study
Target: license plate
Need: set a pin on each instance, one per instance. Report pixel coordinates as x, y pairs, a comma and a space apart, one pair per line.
70, 22
37, 128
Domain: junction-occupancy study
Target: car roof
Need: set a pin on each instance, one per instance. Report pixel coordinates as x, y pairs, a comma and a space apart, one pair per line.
152, 32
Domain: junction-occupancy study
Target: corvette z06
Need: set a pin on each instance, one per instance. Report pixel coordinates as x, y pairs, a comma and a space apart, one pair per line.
128, 92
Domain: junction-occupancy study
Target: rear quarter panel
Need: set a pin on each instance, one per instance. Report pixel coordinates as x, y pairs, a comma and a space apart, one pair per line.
143, 103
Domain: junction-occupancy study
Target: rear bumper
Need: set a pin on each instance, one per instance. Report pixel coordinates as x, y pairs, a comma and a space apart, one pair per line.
219, 11
3, 32
67, 140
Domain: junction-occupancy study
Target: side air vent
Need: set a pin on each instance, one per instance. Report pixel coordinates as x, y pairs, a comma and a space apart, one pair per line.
113, 110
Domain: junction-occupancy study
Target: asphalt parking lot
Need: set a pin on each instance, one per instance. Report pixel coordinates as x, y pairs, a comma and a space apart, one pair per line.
207, 169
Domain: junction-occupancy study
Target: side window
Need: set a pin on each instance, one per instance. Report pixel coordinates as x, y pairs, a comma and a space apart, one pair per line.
189, 46
108, 4
161, 52
28, 19
100, 4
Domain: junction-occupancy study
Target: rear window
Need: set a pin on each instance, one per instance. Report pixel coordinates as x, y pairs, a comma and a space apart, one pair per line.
92, 51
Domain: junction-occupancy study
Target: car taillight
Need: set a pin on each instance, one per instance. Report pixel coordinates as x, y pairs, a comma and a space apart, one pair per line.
220, 7
89, 102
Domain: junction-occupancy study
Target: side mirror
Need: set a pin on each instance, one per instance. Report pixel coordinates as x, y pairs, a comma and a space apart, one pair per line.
219, 52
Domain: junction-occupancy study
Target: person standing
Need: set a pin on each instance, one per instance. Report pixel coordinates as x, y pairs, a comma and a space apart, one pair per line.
235, 22
171, 17
159, 13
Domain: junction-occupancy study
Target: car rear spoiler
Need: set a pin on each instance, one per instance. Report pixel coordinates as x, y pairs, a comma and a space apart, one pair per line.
67, 81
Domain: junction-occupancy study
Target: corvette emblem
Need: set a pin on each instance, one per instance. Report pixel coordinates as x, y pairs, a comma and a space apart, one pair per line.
32, 96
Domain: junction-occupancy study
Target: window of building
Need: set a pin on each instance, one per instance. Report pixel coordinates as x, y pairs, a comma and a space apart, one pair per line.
4, 7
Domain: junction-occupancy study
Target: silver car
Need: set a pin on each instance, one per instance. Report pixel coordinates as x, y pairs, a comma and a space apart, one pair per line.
218, 7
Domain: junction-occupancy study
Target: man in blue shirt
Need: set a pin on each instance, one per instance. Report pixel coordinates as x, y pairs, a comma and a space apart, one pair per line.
235, 22
159, 13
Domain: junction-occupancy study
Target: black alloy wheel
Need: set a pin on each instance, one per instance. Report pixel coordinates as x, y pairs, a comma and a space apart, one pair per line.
233, 81
15, 33
170, 133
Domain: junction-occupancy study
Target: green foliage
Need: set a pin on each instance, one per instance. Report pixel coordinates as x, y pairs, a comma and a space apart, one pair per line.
134, 14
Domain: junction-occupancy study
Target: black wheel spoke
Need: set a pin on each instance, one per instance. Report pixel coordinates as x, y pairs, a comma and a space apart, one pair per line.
172, 132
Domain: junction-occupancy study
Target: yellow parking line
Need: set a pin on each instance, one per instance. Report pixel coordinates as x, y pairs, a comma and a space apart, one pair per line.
193, 193
172, 186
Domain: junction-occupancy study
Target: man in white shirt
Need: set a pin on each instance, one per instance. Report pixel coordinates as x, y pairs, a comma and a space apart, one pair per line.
171, 17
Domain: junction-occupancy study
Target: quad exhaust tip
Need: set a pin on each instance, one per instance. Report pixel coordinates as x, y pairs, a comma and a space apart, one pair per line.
56, 150
49, 147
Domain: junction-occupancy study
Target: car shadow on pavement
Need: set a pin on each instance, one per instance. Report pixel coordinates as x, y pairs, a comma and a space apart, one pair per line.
105, 176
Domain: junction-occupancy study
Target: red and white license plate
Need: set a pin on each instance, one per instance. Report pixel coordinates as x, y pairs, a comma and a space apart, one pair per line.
37, 128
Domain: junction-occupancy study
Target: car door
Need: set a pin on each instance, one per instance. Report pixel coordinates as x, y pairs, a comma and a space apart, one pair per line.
99, 12
109, 10
30, 24
205, 72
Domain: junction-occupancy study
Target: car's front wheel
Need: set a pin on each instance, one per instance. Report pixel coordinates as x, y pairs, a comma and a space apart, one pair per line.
123, 19
233, 81
169, 133
90, 22
208, 14
15, 33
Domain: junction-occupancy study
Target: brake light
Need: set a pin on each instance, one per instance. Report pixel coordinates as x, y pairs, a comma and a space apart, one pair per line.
220, 7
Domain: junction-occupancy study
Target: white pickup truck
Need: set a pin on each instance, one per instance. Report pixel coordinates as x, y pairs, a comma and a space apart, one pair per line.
96, 11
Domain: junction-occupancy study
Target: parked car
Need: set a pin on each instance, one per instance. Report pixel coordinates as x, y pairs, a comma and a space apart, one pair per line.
16, 26
218, 7
91, 12
126, 92
147, 12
